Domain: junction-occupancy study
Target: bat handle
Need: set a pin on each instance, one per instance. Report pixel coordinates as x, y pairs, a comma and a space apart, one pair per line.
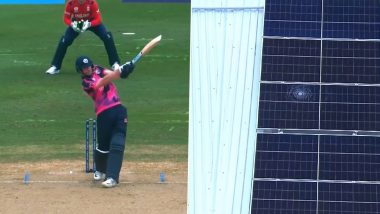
137, 58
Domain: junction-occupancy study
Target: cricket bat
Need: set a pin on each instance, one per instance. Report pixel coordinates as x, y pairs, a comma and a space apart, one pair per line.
148, 47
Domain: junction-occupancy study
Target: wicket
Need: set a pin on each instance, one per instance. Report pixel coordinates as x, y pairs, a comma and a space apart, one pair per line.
87, 160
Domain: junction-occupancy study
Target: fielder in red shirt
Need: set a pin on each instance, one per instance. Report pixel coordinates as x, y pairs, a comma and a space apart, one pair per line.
80, 16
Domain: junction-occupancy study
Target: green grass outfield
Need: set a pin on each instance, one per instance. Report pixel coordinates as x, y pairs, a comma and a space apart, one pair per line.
43, 117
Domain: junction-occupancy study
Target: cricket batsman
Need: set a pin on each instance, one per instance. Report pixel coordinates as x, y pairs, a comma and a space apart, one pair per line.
80, 16
111, 117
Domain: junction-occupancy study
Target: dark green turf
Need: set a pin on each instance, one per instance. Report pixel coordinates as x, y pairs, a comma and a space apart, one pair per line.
48, 112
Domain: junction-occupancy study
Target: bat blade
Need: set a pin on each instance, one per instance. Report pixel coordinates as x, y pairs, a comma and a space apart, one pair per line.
147, 48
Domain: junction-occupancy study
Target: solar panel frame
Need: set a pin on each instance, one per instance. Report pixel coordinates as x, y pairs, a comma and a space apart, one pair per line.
318, 128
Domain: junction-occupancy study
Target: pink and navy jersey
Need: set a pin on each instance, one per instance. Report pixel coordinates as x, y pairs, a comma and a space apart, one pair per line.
104, 97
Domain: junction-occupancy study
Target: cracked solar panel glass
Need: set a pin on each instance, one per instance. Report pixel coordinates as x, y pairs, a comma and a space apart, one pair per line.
330, 107
357, 19
351, 62
289, 106
349, 158
291, 60
301, 18
350, 108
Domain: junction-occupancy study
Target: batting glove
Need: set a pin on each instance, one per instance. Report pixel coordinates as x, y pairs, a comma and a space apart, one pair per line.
74, 26
86, 25
126, 69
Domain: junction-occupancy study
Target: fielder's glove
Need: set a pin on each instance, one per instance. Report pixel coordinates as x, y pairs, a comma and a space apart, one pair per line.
86, 25
74, 26
126, 69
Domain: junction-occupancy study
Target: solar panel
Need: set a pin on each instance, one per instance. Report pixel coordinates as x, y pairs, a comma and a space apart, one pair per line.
283, 156
284, 197
350, 108
351, 61
291, 60
300, 18
286, 166
348, 158
351, 19
318, 142
289, 106
343, 198
306, 173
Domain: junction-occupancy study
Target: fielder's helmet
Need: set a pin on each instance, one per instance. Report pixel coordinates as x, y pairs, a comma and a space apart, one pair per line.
83, 62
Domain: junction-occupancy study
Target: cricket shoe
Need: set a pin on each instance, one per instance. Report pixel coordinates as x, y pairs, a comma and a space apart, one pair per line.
110, 182
52, 70
99, 176
115, 66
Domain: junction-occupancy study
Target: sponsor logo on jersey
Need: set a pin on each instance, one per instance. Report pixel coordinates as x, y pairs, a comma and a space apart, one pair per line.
81, 16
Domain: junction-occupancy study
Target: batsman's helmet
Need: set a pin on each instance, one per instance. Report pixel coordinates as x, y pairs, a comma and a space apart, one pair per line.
83, 62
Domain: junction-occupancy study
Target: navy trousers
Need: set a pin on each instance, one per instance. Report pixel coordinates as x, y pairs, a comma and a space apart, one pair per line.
112, 131
71, 35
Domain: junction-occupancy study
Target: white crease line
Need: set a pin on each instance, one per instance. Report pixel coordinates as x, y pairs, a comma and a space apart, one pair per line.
129, 182
148, 39
16, 54
121, 173
70, 182
12, 182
